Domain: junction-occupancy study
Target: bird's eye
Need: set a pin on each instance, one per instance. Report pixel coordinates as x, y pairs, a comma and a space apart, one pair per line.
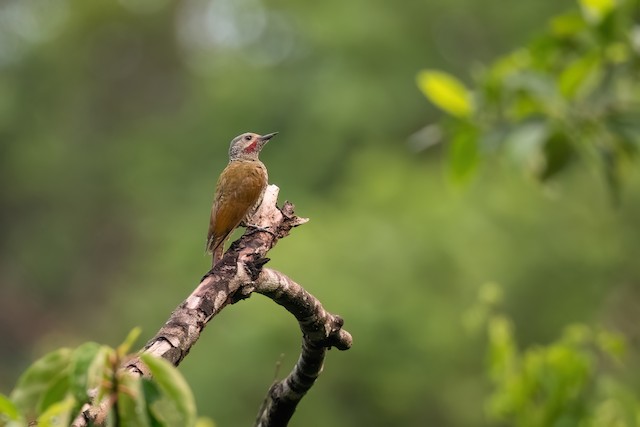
247, 138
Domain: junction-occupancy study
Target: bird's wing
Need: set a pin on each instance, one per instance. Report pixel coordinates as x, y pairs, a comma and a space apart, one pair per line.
237, 192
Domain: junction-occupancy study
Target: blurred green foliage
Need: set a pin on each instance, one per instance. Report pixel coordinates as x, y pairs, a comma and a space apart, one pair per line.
568, 382
115, 119
52, 391
571, 93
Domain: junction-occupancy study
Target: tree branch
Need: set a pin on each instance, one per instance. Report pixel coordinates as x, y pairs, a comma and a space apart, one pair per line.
238, 274
320, 330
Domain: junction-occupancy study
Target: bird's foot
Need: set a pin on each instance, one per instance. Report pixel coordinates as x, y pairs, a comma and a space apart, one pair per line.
252, 228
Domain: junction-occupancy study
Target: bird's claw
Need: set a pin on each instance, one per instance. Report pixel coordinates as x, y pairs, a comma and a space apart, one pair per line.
252, 228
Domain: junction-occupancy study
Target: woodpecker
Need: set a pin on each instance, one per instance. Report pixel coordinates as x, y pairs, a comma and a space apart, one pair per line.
239, 190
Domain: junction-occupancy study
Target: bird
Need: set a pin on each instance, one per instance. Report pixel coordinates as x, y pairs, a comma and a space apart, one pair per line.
239, 190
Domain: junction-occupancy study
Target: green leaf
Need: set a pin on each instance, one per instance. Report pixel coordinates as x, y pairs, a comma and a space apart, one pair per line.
596, 10
511, 64
56, 392
38, 378
625, 131
503, 352
205, 422
173, 387
580, 76
612, 344
58, 414
534, 93
123, 349
567, 25
99, 370
618, 53
132, 405
558, 153
463, 153
8, 411
446, 92
81, 360
524, 144
153, 398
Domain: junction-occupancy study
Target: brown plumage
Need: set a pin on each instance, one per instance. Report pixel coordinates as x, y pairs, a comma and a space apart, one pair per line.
239, 190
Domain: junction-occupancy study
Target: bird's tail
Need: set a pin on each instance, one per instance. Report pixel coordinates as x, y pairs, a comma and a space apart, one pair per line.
216, 255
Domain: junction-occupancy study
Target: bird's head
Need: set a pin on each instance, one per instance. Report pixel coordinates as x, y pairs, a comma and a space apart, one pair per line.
248, 145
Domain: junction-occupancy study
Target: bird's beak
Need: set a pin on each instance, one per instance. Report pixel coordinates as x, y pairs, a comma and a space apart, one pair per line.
265, 138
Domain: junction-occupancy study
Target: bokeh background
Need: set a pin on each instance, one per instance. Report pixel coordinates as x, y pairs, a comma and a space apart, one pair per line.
115, 119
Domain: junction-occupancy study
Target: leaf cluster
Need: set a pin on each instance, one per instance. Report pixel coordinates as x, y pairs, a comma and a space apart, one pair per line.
571, 381
570, 94
52, 391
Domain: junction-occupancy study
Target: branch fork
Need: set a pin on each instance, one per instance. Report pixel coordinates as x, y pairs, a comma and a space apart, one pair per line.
236, 276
